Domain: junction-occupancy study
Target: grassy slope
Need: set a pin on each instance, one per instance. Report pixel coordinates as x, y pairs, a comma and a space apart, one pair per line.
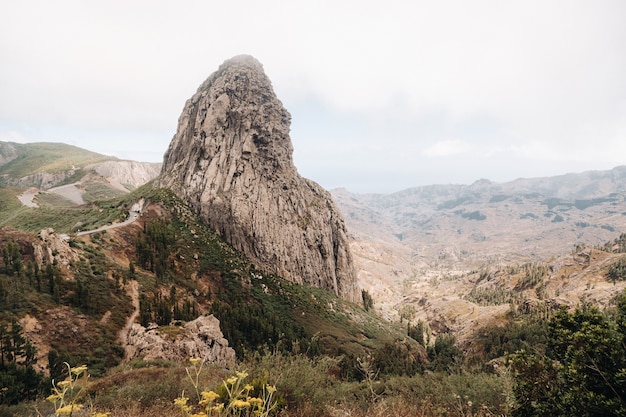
198, 260
34, 158
201, 263
55, 212
340, 327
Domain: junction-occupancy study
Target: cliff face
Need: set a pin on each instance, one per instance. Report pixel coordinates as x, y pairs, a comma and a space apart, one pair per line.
231, 160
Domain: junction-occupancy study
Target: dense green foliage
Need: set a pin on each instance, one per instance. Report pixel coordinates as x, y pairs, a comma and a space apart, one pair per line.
493, 342
583, 369
42, 291
154, 247
18, 378
492, 295
617, 271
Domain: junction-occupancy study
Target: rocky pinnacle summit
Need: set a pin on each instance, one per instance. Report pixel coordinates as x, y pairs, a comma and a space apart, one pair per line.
231, 161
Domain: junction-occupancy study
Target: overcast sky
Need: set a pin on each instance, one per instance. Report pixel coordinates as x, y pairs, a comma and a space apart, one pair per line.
384, 95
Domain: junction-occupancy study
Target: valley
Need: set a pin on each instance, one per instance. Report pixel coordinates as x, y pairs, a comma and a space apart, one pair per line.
159, 281
431, 243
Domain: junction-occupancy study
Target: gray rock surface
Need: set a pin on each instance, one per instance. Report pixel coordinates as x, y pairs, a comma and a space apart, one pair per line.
231, 161
126, 174
200, 338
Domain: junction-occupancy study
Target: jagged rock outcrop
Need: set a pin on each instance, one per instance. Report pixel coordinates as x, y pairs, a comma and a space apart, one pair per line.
231, 161
200, 338
53, 246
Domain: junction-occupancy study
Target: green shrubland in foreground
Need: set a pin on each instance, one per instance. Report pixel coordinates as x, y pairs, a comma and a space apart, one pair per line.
579, 371
323, 357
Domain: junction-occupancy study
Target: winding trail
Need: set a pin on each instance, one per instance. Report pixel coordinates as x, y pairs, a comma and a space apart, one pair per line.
132, 288
132, 216
133, 291
26, 198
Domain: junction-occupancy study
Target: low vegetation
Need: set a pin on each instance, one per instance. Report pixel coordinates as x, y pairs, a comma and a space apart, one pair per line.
33, 158
300, 351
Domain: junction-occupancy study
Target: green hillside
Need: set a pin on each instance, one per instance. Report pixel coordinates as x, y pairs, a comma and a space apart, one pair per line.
33, 158
322, 355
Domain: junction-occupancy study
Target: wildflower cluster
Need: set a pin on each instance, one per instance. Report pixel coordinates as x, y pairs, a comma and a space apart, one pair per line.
66, 393
237, 398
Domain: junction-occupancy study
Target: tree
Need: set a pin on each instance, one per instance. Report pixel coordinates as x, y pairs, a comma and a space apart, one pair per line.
617, 271
417, 332
443, 353
11, 258
368, 301
18, 379
583, 370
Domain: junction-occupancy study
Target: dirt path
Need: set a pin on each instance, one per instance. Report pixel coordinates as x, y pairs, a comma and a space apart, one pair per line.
132, 216
133, 292
26, 198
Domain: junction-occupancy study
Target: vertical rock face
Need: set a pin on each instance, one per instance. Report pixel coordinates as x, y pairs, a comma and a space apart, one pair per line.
231, 160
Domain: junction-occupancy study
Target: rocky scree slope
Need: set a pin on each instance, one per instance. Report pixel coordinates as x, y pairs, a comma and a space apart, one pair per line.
231, 161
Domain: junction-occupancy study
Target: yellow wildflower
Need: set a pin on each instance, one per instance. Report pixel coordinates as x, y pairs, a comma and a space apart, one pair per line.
218, 407
198, 415
240, 403
248, 387
232, 380
271, 388
255, 402
182, 403
78, 370
69, 409
94, 414
210, 395
242, 375
194, 361
64, 384
53, 397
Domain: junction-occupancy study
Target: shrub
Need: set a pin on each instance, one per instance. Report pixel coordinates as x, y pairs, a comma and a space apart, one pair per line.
617, 271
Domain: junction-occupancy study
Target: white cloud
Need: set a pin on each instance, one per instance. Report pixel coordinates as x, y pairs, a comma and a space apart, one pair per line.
543, 79
13, 136
447, 148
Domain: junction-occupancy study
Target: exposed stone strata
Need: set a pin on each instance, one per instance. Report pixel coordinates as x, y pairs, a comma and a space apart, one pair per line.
200, 338
231, 161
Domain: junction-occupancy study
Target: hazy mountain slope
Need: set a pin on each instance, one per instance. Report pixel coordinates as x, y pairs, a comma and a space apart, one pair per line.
42, 164
485, 221
46, 164
56, 175
418, 247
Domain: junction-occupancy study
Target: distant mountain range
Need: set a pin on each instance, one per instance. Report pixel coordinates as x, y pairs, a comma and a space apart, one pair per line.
430, 243
404, 244
468, 224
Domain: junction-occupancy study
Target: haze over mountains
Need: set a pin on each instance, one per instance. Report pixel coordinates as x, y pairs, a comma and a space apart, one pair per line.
456, 226
404, 241
533, 218
225, 253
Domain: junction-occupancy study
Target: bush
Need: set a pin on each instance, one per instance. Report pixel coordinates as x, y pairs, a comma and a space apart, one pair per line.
583, 370
617, 271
